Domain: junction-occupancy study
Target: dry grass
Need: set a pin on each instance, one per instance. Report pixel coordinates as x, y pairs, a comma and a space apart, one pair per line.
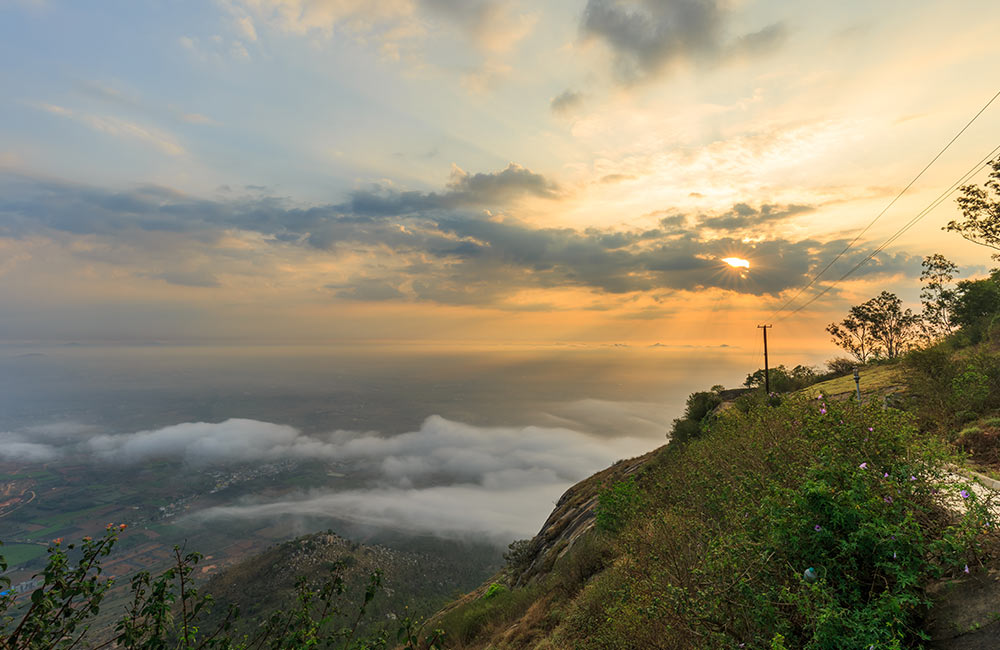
874, 380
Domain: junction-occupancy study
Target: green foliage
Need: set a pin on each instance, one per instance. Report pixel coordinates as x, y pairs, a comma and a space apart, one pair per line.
977, 307
477, 617
699, 406
970, 390
728, 523
783, 380
494, 589
948, 389
166, 610
518, 555
617, 505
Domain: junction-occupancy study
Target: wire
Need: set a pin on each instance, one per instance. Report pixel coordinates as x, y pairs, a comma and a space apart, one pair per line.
884, 210
979, 166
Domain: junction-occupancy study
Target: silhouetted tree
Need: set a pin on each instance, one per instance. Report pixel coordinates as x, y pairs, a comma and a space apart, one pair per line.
981, 208
856, 333
879, 327
895, 327
936, 296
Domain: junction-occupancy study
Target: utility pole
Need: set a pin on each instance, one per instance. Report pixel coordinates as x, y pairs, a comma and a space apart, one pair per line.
767, 373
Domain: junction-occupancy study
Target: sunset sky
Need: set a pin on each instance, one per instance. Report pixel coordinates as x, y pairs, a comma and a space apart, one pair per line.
475, 171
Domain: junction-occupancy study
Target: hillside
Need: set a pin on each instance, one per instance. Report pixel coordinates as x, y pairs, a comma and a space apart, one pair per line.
414, 582
707, 544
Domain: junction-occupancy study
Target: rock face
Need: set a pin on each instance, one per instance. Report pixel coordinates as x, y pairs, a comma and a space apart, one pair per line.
965, 614
572, 517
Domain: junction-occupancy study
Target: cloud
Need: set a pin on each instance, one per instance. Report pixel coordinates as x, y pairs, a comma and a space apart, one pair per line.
648, 36
566, 102
446, 477
426, 246
119, 127
743, 216
199, 278
463, 190
16, 448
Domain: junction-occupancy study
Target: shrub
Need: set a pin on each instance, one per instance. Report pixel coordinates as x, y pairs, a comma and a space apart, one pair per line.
970, 390
518, 555
617, 505
840, 366
699, 406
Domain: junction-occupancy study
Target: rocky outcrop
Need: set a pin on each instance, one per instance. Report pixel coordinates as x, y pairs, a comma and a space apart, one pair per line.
572, 517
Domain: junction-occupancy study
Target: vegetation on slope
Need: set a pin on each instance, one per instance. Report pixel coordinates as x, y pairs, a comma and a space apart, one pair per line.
708, 545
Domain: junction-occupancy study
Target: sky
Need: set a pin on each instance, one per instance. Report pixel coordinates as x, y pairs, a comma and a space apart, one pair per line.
475, 172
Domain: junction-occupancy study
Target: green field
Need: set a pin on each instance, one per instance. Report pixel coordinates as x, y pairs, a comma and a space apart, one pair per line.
18, 554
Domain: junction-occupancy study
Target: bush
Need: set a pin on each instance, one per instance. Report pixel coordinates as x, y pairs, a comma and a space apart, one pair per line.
518, 555
617, 505
841, 366
783, 380
699, 406
970, 390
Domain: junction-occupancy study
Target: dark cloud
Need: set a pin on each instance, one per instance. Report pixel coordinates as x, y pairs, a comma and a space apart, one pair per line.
566, 101
188, 278
439, 249
647, 36
463, 190
742, 216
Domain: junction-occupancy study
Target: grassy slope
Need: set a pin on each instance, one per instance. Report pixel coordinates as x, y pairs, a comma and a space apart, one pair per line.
713, 547
876, 379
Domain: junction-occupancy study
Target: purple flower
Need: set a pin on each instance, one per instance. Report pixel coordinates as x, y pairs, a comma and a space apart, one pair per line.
870, 429
886, 475
822, 411
887, 499
963, 494
820, 396
863, 466
912, 477
894, 555
817, 528
966, 569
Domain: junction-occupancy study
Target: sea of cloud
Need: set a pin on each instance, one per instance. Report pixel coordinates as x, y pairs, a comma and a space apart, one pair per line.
446, 477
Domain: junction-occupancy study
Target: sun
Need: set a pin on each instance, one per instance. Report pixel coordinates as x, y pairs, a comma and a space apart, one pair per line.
736, 262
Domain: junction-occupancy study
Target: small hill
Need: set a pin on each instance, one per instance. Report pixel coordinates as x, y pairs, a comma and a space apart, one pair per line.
414, 582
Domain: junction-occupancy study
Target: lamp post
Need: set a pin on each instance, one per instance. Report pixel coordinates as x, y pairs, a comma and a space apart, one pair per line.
857, 383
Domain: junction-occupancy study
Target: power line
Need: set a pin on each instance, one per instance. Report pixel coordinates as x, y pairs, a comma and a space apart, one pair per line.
884, 210
979, 166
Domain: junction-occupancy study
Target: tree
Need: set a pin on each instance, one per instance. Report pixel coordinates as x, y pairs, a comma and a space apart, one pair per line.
166, 610
782, 379
856, 334
938, 300
894, 327
879, 327
977, 305
981, 208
